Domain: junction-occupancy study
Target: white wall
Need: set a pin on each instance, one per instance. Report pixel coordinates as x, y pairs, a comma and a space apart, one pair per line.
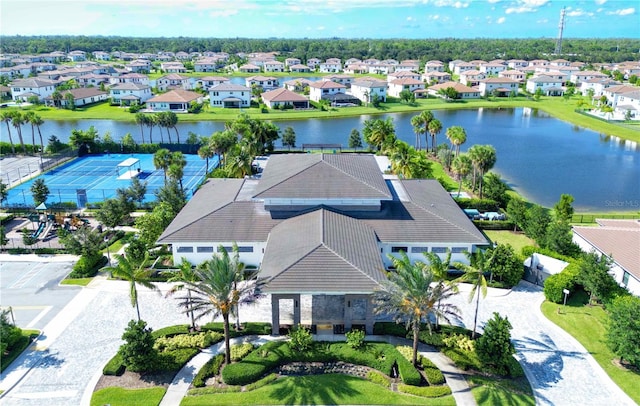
248, 258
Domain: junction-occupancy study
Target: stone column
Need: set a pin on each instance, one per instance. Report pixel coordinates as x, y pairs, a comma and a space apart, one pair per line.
275, 315
369, 319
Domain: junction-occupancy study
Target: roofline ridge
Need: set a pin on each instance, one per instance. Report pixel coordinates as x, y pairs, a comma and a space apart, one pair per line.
200, 218
353, 177
348, 262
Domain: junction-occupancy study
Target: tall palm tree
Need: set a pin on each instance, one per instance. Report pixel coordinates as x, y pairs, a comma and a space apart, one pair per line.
171, 120
461, 166
222, 142
162, 160
28, 119
7, 116
434, 128
16, 121
217, 292
377, 132
38, 121
141, 120
151, 121
474, 273
427, 117
135, 274
457, 136
417, 122
483, 158
401, 157
239, 164
186, 273
439, 268
206, 152
411, 296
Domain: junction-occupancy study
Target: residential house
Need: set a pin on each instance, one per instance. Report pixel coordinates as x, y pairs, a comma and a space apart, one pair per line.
138, 78
492, 68
559, 62
182, 56
454, 63
178, 100
513, 75
331, 65
436, 77
264, 82
356, 68
499, 87
399, 85
367, 89
285, 98
126, 94
297, 85
619, 241
208, 64
101, 55
628, 105
292, 61
75, 56
548, 85
472, 77
324, 88
342, 79
382, 68
433, 66
81, 97
23, 89
538, 62
478, 63
230, 95
352, 61
320, 228
299, 68
407, 67
403, 75
463, 67
597, 85
249, 68
371, 61
464, 92
207, 82
92, 80
313, 63
138, 66
582, 76
517, 64
273, 66
173, 67
173, 81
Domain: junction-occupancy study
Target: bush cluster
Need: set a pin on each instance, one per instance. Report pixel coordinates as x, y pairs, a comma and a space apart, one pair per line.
378, 378
300, 339
464, 360
494, 224
555, 284
172, 360
199, 340
480, 204
459, 341
432, 373
425, 391
211, 368
87, 267
408, 373
115, 366
355, 338
240, 351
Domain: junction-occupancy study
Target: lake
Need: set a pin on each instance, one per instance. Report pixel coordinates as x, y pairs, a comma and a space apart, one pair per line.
539, 156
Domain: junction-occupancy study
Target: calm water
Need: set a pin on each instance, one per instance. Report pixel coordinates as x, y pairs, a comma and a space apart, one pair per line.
539, 156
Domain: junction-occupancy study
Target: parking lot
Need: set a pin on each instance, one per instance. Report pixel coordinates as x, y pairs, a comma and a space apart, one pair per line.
31, 288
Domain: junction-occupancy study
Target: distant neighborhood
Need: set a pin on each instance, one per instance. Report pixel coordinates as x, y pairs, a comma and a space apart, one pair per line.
77, 78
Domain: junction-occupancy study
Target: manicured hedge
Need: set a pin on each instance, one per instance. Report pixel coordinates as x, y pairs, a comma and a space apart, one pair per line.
171, 331
87, 267
176, 359
115, 366
425, 391
408, 373
211, 368
494, 224
379, 378
247, 328
555, 284
431, 372
463, 359
480, 204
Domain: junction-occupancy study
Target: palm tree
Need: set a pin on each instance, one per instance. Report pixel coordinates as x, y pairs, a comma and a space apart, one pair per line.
401, 156
151, 121
162, 122
411, 296
474, 273
221, 142
176, 167
434, 128
162, 160
461, 166
217, 292
38, 121
483, 158
171, 120
239, 164
16, 121
28, 119
135, 276
427, 117
439, 268
141, 120
457, 136
7, 116
57, 98
186, 273
206, 152
378, 133
417, 122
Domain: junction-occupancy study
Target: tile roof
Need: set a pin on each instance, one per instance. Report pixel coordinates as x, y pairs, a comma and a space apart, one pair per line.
32, 82
330, 176
619, 239
177, 96
225, 87
322, 251
327, 84
283, 95
130, 86
459, 87
370, 83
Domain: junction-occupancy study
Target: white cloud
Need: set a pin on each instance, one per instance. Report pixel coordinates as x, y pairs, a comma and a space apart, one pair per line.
501, 20
320, 28
223, 13
600, 2
526, 6
623, 12
579, 12
410, 19
543, 21
451, 3
494, 1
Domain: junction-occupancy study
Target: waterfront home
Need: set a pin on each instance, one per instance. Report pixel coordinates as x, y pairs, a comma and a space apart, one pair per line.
229, 95
249, 68
436, 77
273, 66
397, 86
548, 85
499, 87
464, 92
582, 76
285, 98
22, 89
138, 78
365, 89
339, 78
126, 94
472, 77
597, 85
92, 80
331, 65
297, 85
299, 68
208, 64
322, 88
313, 63
178, 100
173, 67
513, 75
265, 82
356, 68
289, 62
81, 97
321, 226
173, 81
207, 82
619, 241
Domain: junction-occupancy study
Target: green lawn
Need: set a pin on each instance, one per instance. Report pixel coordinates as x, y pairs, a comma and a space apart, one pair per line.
588, 325
317, 389
77, 281
516, 240
555, 106
128, 397
493, 391
439, 173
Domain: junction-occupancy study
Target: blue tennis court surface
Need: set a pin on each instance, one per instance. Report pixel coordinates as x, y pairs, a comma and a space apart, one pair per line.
94, 178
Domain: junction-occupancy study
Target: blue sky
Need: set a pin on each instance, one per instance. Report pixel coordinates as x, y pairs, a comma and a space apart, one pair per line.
322, 18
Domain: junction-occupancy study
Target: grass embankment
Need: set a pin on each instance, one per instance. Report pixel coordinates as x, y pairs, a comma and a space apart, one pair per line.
27, 338
327, 389
555, 106
588, 325
76, 281
516, 240
127, 397
494, 391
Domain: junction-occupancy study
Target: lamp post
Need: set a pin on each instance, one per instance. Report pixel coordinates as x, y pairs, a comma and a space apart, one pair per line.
566, 293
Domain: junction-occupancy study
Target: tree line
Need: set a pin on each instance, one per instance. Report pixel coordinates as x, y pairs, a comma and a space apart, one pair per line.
444, 49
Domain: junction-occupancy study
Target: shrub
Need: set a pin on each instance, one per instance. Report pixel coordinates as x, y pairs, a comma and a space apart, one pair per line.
87, 267
115, 366
480, 204
137, 353
209, 369
408, 373
355, 339
256, 364
494, 224
555, 284
199, 340
377, 377
171, 331
459, 341
240, 351
494, 348
173, 360
300, 339
407, 352
464, 360
389, 328
434, 339
425, 391
434, 376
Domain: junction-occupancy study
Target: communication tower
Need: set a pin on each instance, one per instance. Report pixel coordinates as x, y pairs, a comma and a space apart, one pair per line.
560, 29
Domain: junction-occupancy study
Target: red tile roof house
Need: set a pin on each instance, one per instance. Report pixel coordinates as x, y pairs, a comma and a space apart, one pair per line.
265, 82
297, 85
339, 78
437, 77
548, 85
299, 68
283, 97
320, 227
125, 94
619, 240
81, 97
433, 66
499, 87
173, 81
289, 62
177, 100
513, 74
273, 66
465, 92
324, 88
249, 68
403, 75
472, 77
229, 95
399, 85
207, 82
173, 67
365, 88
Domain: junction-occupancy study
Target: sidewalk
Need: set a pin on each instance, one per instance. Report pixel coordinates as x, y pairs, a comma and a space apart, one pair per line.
455, 379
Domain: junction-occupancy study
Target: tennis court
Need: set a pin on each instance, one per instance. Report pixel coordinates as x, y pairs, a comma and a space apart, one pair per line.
94, 178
